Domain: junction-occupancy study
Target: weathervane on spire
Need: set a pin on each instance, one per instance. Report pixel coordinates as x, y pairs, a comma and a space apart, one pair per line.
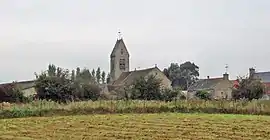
119, 35
226, 67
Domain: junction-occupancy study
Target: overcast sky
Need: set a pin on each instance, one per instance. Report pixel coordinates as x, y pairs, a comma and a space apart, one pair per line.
69, 33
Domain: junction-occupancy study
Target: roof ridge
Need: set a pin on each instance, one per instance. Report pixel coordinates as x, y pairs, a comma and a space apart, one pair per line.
212, 78
126, 77
143, 69
262, 72
22, 81
132, 73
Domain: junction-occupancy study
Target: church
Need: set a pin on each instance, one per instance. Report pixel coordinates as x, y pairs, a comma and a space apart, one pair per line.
120, 69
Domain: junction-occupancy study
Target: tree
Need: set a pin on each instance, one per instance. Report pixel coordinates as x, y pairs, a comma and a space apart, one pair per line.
57, 88
204, 95
86, 76
11, 93
146, 88
98, 75
78, 72
103, 77
93, 74
169, 94
51, 70
190, 72
73, 75
248, 89
62, 88
90, 91
173, 71
182, 75
108, 78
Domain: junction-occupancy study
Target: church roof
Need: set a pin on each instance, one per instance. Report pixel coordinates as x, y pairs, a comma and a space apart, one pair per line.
117, 45
22, 84
126, 78
264, 76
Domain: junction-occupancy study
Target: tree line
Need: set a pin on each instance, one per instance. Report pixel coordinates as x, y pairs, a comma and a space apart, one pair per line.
95, 76
59, 84
62, 85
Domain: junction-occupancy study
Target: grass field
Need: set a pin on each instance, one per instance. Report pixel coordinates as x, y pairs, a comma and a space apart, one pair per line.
138, 126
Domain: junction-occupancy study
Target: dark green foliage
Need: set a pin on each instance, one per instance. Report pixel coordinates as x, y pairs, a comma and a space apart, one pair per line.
203, 95
146, 89
150, 89
169, 94
103, 77
51, 70
78, 72
86, 77
60, 86
56, 88
10, 93
182, 75
248, 89
73, 75
98, 75
90, 91
94, 74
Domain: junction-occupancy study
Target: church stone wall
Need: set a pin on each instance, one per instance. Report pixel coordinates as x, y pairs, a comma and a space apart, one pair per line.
120, 52
165, 82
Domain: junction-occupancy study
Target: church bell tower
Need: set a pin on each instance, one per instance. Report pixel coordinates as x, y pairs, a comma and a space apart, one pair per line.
119, 59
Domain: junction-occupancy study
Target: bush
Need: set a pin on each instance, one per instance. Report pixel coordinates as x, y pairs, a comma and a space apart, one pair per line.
146, 88
248, 89
54, 88
10, 93
169, 94
61, 87
91, 91
204, 95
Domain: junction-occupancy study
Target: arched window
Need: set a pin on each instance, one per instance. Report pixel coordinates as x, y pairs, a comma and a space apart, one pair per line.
122, 51
122, 64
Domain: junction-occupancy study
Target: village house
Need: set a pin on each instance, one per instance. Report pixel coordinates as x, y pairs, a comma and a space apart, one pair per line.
219, 88
264, 77
27, 87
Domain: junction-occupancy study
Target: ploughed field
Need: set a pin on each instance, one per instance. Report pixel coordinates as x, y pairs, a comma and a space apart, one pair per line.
138, 126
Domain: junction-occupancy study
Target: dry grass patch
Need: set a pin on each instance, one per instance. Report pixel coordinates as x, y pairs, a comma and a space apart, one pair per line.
138, 126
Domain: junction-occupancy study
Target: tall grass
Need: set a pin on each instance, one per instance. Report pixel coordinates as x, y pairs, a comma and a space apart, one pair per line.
50, 108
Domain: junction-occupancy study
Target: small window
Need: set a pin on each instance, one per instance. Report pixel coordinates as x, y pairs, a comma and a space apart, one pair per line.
122, 51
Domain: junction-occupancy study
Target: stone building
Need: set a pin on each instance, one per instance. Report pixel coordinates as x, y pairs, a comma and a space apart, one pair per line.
27, 87
119, 62
219, 88
264, 77
120, 69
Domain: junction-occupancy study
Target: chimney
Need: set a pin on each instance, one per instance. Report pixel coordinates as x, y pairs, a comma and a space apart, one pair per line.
225, 76
251, 72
